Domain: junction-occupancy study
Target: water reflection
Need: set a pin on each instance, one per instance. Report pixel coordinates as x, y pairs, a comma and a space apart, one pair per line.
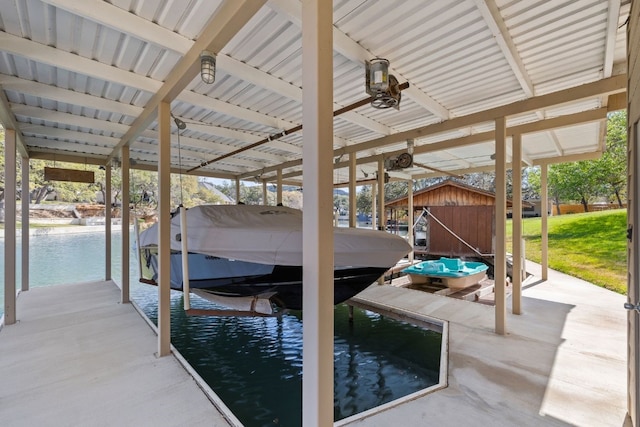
255, 364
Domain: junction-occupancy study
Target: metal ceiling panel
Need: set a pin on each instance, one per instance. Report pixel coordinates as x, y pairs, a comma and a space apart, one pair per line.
459, 60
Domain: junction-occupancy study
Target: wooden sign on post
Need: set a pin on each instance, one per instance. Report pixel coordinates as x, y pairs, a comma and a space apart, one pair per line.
73, 175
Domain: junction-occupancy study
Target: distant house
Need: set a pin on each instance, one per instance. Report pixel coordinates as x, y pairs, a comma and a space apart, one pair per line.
535, 209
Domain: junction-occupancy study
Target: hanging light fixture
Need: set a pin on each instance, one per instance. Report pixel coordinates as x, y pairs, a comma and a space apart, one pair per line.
207, 67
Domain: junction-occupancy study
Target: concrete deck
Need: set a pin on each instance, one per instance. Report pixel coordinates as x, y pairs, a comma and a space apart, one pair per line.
79, 358
562, 363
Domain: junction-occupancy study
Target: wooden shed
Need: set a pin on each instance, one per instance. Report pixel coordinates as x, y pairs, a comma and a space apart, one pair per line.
460, 222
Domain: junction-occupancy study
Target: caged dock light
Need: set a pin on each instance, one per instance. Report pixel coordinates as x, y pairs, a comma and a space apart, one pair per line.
207, 67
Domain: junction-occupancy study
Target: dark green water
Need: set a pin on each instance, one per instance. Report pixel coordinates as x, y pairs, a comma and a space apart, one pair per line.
255, 364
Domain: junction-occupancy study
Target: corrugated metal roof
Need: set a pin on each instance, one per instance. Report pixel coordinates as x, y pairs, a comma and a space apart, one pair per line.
76, 75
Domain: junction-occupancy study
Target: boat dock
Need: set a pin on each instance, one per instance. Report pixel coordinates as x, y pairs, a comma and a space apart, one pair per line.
79, 357
562, 362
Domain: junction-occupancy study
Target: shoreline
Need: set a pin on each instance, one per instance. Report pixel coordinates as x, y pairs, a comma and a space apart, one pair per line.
73, 229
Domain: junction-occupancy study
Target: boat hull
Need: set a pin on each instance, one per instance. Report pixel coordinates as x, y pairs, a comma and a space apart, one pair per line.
232, 278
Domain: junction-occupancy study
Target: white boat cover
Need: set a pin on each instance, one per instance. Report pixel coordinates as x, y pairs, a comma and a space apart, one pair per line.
273, 235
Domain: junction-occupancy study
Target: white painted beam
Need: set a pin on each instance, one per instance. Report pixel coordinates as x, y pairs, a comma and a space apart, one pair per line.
125, 216
164, 232
107, 223
230, 18
493, 18
127, 23
601, 87
500, 257
349, 48
25, 223
29, 87
8, 121
544, 231
352, 190
613, 16
317, 225
539, 126
106, 126
10, 316
120, 19
279, 187
516, 223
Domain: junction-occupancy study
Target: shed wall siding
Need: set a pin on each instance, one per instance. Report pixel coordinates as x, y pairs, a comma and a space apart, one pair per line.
447, 196
473, 224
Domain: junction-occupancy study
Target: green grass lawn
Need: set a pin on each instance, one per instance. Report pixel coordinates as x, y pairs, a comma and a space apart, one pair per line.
591, 246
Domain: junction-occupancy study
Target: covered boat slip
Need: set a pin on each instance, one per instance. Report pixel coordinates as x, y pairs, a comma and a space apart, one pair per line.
492, 85
78, 355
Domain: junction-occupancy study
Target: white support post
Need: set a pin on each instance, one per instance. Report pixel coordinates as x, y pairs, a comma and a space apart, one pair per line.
10, 227
516, 223
410, 219
26, 199
500, 260
265, 200
238, 191
279, 190
185, 259
381, 207
317, 232
125, 217
374, 202
352, 190
544, 232
164, 230
107, 222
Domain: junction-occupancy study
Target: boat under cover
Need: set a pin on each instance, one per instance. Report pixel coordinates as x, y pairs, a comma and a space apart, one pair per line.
249, 251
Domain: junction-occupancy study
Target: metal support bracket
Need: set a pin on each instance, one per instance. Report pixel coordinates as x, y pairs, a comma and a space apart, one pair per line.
632, 307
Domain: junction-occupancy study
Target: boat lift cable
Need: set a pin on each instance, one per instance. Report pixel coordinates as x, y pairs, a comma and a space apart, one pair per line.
425, 210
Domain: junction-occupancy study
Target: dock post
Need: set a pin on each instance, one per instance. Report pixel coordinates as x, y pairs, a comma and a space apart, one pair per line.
516, 222
500, 266
10, 227
317, 178
164, 230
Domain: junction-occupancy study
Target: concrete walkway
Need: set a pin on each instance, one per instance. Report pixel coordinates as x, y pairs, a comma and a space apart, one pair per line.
563, 362
79, 358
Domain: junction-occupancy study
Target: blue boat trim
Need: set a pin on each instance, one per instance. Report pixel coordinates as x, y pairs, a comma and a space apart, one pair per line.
446, 267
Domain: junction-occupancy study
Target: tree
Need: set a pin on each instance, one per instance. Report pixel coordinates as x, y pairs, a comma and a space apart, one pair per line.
363, 200
583, 181
341, 203
612, 167
395, 190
